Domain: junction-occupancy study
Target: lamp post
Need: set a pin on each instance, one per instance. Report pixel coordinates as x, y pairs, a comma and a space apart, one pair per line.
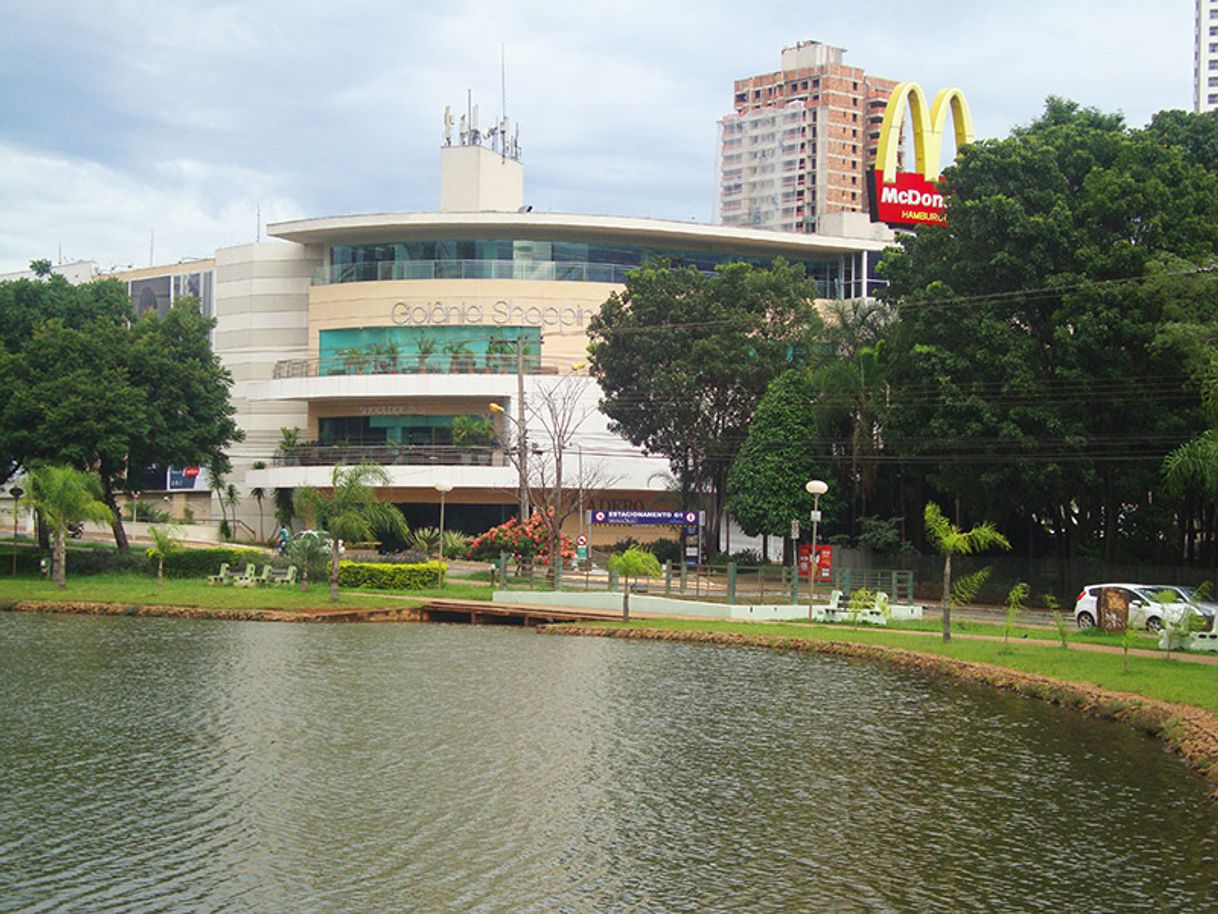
816, 488
521, 459
443, 488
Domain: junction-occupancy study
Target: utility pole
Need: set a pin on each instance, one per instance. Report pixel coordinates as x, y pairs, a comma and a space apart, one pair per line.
521, 437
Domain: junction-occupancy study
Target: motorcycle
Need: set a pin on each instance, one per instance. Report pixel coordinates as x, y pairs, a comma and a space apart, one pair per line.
76, 530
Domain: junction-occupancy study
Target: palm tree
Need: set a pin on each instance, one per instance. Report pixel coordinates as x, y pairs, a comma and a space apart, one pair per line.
258, 493
63, 495
951, 540
307, 551
164, 541
350, 510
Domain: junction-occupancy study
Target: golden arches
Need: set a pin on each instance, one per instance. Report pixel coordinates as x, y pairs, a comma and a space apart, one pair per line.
928, 123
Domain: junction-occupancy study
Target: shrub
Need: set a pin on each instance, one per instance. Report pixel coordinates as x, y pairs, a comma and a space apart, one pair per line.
80, 561
666, 551
525, 541
199, 563
388, 576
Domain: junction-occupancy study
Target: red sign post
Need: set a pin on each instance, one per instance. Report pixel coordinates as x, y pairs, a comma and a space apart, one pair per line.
824, 561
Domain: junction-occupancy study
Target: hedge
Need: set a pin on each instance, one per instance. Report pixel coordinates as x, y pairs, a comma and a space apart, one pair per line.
199, 563
384, 576
80, 561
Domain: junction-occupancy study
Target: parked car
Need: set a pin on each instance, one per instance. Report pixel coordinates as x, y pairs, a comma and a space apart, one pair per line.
1146, 610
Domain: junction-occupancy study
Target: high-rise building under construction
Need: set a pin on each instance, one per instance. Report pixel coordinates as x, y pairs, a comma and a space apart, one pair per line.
797, 146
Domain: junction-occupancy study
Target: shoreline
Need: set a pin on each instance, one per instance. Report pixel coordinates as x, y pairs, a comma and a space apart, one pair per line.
321, 614
1189, 732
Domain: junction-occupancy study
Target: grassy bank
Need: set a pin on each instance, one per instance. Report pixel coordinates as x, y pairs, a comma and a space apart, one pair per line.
138, 590
1152, 677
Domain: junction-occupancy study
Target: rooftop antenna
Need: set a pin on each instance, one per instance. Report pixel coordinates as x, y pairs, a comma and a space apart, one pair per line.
258, 220
503, 121
151, 240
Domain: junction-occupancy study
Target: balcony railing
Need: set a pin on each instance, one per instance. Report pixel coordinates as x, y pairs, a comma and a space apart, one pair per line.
309, 455
468, 363
559, 271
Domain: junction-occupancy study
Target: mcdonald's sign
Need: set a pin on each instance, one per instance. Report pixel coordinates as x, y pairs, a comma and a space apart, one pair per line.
913, 197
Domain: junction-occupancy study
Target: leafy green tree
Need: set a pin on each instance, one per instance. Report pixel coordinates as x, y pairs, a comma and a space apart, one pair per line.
41, 268
165, 541
683, 360
1024, 373
779, 455
631, 565
63, 495
83, 380
950, 540
350, 511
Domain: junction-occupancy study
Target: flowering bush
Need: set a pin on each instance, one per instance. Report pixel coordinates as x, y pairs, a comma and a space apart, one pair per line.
525, 541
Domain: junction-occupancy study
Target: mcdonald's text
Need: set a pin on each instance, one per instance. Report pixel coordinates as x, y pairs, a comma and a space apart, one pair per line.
909, 200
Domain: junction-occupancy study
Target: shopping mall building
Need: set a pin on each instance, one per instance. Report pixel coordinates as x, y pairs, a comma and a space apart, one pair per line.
387, 337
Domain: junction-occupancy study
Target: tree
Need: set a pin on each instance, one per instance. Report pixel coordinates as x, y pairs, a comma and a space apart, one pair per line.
950, 540
165, 541
307, 551
41, 268
1024, 372
83, 381
779, 455
684, 358
258, 494
631, 565
559, 408
350, 510
63, 495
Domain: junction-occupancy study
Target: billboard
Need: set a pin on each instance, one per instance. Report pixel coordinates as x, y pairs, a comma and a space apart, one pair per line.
187, 479
912, 197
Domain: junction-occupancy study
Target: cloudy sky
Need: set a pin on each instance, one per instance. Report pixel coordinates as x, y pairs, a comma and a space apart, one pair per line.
179, 120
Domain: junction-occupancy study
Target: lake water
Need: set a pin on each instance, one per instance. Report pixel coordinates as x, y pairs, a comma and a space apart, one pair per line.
173, 765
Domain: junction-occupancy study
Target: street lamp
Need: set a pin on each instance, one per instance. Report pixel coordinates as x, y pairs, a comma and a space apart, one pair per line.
816, 488
521, 460
443, 488
16, 492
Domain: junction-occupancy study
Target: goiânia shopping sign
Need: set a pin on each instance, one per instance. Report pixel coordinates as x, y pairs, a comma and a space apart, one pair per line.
913, 197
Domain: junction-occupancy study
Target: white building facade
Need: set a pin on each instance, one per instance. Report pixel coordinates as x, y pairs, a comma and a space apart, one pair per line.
1205, 57
386, 338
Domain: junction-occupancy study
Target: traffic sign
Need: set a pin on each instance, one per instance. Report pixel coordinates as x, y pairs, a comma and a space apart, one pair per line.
795, 529
581, 540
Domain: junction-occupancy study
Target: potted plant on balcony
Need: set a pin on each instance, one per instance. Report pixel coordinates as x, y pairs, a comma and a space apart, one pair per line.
475, 433
499, 356
385, 357
425, 347
355, 359
461, 358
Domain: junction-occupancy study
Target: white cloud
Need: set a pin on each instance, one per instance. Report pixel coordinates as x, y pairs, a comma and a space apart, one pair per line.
186, 208
181, 117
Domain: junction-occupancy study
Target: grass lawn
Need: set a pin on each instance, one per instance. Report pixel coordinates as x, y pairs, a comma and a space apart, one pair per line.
133, 589
1153, 677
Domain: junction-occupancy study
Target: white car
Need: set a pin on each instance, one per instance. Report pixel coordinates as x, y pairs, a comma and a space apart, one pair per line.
1146, 610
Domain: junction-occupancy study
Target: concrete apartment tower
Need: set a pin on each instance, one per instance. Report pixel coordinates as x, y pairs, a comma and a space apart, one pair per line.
796, 149
1205, 57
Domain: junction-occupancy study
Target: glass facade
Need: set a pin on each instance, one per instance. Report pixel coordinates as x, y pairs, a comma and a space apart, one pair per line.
569, 261
435, 350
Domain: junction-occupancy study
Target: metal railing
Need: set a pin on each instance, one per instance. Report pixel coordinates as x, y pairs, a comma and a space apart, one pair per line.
408, 364
311, 455
546, 270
